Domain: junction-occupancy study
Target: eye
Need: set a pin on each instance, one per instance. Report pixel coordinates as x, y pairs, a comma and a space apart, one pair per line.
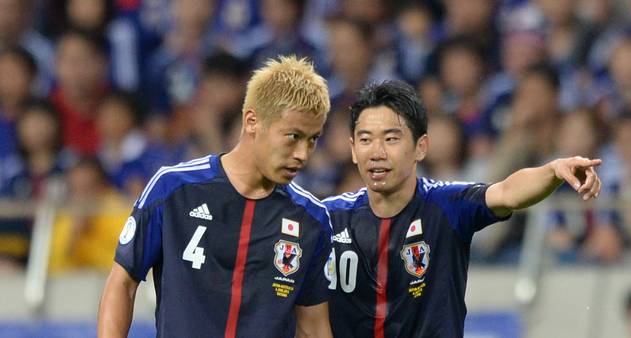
292, 136
392, 139
364, 140
314, 139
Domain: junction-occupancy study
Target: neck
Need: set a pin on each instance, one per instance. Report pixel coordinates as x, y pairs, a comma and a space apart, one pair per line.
80, 99
9, 110
41, 162
386, 205
243, 173
445, 170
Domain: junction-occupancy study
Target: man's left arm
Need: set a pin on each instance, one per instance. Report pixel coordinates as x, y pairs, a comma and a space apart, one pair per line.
529, 186
313, 321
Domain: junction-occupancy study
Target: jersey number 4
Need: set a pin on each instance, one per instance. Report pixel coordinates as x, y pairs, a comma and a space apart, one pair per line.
193, 253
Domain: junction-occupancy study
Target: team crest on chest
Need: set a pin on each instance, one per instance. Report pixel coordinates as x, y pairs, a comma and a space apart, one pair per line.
287, 257
416, 258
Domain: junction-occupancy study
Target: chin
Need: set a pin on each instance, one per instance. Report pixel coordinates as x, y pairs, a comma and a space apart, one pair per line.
283, 180
381, 187
280, 179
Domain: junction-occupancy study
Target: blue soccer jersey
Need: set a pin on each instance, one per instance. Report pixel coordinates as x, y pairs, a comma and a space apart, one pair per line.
224, 265
404, 276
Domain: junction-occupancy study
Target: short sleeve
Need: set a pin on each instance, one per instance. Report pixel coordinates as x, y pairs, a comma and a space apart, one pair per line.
465, 206
140, 241
315, 288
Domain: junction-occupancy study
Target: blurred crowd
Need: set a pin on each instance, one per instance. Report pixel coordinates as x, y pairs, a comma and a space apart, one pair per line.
98, 94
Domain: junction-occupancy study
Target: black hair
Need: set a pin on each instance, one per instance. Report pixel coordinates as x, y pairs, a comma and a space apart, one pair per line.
225, 64
547, 72
24, 56
96, 40
396, 95
131, 101
625, 116
42, 107
364, 28
461, 43
91, 162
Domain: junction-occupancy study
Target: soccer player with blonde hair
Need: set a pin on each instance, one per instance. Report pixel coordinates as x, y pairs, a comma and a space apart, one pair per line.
236, 248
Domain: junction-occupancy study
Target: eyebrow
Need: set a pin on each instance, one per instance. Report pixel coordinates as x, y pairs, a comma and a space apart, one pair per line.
393, 131
387, 131
301, 133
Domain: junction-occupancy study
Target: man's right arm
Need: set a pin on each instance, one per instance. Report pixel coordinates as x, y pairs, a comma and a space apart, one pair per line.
117, 304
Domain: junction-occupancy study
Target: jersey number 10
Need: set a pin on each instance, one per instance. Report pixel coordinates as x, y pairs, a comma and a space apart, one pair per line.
347, 271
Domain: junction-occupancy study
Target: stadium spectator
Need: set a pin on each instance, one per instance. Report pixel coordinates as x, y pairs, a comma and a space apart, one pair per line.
278, 34
522, 44
17, 29
370, 11
527, 141
81, 68
28, 173
431, 90
354, 60
529, 137
232, 20
446, 157
85, 230
577, 234
39, 155
611, 22
208, 122
617, 190
414, 41
18, 71
375, 13
93, 15
212, 122
473, 18
172, 71
103, 17
568, 41
463, 97
123, 147
618, 96
567, 38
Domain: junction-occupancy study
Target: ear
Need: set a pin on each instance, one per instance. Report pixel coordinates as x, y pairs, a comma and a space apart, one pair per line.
351, 142
421, 148
250, 121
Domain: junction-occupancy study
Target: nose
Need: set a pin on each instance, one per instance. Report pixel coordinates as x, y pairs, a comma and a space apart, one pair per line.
301, 152
379, 151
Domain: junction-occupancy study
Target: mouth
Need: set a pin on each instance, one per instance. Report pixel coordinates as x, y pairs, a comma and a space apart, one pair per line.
291, 172
378, 174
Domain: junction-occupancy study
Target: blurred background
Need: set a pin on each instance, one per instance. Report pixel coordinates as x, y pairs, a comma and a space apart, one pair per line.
96, 95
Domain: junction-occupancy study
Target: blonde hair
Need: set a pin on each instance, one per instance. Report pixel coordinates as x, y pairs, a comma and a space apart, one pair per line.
286, 83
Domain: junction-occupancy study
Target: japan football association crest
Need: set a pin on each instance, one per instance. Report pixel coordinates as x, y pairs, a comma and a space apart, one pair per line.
287, 257
416, 258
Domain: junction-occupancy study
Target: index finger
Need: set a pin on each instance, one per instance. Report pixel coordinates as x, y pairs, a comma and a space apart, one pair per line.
585, 162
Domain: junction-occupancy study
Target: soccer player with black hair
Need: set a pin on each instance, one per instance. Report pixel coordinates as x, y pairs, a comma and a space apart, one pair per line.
401, 244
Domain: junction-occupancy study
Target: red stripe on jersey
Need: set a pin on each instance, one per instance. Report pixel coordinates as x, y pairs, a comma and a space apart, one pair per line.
239, 268
382, 278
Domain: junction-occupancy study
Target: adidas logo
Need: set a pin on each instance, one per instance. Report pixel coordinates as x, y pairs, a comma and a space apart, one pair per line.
201, 212
343, 237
